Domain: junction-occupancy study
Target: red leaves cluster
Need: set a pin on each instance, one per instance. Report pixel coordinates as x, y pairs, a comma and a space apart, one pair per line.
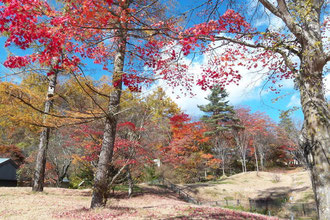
126, 150
16, 62
187, 138
65, 35
28, 22
229, 22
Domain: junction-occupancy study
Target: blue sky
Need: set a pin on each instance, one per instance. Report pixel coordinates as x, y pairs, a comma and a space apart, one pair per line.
251, 92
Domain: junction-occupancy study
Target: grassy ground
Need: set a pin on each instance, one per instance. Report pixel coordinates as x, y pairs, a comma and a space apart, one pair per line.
152, 203
281, 187
295, 184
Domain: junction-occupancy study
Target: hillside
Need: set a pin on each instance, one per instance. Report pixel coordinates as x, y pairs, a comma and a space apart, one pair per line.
295, 184
282, 187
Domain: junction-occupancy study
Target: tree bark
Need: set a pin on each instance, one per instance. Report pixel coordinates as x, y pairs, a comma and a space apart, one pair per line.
315, 139
243, 161
256, 158
39, 172
101, 179
262, 166
130, 181
242, 166
223, 165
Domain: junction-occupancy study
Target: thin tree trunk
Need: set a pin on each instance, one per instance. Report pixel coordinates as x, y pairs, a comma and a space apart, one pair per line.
223, 165
39, 171
101, 179
130, 181
244, 162
242, 159
261, 161
242, 165
256, 157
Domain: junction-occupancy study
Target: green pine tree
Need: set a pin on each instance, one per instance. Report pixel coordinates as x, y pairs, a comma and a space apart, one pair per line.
220, 116
286, 121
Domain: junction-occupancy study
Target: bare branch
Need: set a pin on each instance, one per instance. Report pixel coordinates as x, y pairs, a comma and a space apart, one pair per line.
271, 8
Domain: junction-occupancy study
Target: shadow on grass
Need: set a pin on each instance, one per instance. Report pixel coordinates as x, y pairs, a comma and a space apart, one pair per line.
217, 213
277, 192
274, 198
194, 188
159, 190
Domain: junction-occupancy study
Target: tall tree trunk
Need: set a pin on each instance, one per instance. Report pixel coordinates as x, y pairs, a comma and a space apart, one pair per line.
243, 162
101, 179
315, 140
39, 171
223, 165
130, 181
315, 134
242, 165
261, 161
256, 157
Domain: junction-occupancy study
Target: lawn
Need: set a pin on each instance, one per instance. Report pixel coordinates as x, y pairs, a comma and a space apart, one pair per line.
150, 203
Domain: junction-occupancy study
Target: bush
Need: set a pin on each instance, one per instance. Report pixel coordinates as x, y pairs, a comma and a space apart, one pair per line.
83, 173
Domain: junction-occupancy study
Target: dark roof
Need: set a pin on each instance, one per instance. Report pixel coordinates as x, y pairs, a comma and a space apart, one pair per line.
7, 160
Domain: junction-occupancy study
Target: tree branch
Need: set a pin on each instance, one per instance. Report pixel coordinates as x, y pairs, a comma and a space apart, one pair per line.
271, 8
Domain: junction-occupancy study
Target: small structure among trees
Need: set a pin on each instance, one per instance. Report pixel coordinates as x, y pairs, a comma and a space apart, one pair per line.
8, 172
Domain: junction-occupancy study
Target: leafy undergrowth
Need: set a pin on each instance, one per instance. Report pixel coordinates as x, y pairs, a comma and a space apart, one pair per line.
153, 203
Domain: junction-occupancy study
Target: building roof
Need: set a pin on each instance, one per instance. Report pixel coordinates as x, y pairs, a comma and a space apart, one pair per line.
7, 160
2, 160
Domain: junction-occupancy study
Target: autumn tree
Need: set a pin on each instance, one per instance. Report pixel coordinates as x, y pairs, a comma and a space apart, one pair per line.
262, 128
125, 23
242, 135
289, 133
188, 152
32, 31
60, 33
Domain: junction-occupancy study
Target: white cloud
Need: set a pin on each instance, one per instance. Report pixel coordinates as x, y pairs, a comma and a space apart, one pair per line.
294, 101
248, 89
